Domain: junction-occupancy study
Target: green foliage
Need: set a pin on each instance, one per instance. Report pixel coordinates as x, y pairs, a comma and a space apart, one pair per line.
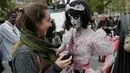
98, 5
5, 6
112, 5
117, 6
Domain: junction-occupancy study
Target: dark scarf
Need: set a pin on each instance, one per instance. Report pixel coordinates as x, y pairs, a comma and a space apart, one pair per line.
40, 46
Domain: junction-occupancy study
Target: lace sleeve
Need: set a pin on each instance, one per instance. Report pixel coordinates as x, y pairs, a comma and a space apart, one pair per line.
101, 44
103, 47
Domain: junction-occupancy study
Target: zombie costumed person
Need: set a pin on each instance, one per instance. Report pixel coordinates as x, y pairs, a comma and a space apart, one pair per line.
83, 41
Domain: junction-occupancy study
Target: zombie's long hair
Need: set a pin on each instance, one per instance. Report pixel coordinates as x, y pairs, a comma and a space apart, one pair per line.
85, 14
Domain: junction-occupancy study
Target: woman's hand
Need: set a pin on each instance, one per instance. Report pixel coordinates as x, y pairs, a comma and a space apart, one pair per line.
63, 63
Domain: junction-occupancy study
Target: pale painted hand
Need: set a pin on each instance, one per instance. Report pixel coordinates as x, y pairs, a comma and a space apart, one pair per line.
90, 71
98, 71
63, 53
93, 71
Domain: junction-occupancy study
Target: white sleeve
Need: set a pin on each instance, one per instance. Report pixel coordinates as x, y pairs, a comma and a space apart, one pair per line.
103, 47
0, 38
9, 34
101, 44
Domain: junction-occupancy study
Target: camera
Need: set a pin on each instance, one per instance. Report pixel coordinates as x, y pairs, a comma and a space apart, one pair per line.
78, 70
67, 56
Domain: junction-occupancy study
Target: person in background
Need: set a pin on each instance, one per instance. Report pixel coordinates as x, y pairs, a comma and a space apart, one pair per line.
96, 21
92, 23
35, 54
122, 63
115, 23
112, 26
1, 66
51, 30
9, 35
118, 26
57, 40
105, 24
2, 20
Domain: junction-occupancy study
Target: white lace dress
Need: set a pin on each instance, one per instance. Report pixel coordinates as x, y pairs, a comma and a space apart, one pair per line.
84, 45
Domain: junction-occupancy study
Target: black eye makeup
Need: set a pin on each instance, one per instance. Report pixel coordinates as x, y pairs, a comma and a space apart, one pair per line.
75, 16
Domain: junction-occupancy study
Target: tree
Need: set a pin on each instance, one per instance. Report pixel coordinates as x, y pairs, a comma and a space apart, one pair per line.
5, 6
98, 5
117, 6
111, 5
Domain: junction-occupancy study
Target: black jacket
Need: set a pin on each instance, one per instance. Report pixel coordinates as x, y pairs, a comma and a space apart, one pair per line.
122, 63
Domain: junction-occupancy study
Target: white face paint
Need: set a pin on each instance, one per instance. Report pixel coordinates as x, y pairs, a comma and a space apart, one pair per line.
75, 21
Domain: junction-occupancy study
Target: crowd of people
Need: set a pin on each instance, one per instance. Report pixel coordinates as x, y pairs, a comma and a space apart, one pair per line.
29, 42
